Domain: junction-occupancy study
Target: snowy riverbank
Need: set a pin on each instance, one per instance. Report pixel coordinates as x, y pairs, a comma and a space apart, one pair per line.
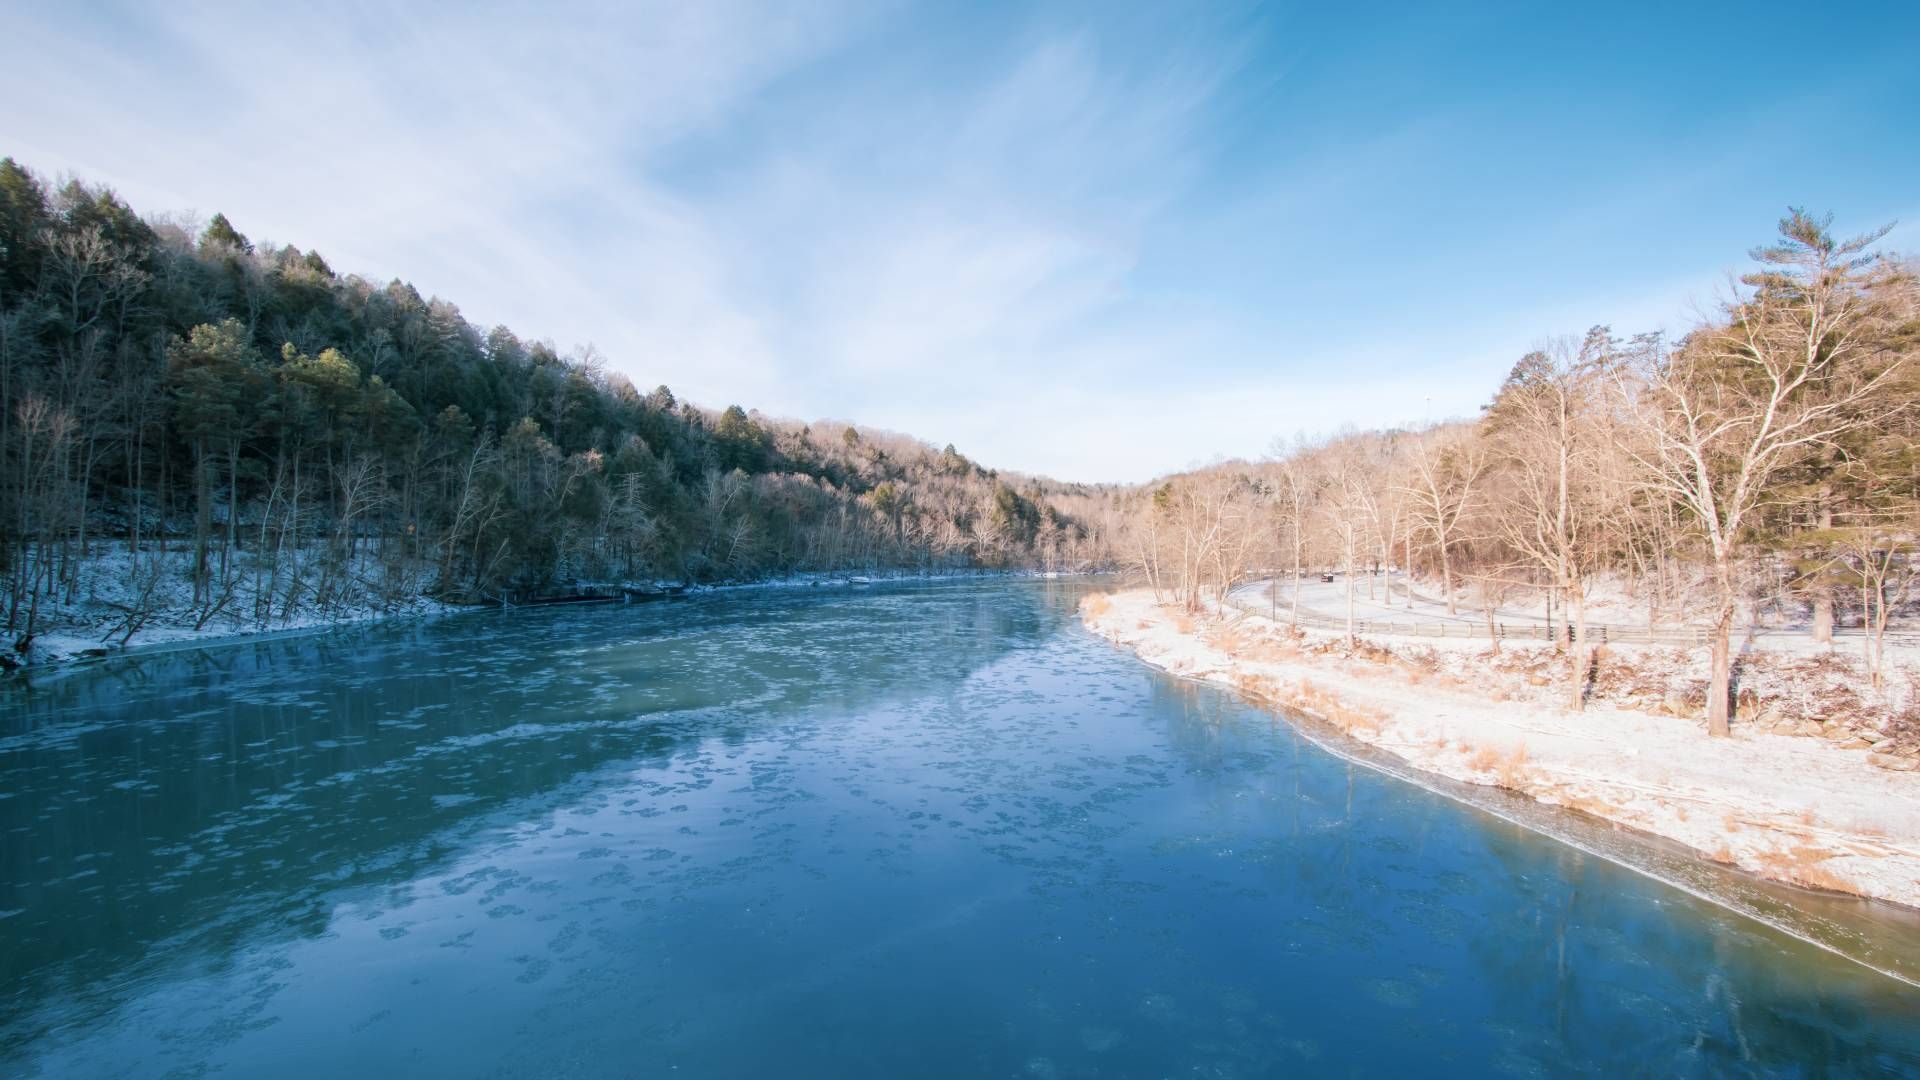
128, 603
101, 620
1809, 811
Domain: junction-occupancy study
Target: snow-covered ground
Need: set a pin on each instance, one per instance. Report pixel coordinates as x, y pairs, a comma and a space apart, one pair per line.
1395, 599
151, 595
1392, 599
1813, 811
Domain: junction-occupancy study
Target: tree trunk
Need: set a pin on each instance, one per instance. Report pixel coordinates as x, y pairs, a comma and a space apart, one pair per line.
1867, 594
1720, 685
202, 525
1581, 653
233, 513
1349, 591
1293, 617
1822, 595
134, 465
80, 524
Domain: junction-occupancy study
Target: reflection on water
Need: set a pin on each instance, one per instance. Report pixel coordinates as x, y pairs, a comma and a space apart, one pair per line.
932, 830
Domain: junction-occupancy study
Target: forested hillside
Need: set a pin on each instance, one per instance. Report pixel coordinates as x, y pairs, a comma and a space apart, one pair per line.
288, 437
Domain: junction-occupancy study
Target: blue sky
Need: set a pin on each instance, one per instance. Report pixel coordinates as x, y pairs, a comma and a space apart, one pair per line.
1097, 241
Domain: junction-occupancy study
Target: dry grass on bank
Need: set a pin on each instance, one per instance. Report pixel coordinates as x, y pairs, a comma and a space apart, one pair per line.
1813, 811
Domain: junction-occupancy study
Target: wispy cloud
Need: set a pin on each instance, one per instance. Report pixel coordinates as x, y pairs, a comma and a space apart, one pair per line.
461, 148
935, 245
1097, 242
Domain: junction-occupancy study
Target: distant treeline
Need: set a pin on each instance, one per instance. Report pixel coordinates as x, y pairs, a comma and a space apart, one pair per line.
313, 433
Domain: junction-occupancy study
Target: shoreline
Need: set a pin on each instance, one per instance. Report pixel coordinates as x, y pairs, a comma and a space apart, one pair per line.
1795, 811
1887, 942
64, 650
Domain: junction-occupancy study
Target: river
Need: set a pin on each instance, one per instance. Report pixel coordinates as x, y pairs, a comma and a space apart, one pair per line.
901, 830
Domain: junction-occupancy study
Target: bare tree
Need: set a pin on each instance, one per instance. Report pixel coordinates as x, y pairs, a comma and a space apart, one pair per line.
1882, 562
1795, 366
1295, 485
1202, 532
1347, 512
1444, 469
1543, 423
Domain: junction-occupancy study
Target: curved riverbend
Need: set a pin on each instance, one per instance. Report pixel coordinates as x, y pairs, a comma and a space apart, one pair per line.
904, 830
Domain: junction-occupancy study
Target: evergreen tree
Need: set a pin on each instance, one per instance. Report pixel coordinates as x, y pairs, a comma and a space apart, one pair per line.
221, 235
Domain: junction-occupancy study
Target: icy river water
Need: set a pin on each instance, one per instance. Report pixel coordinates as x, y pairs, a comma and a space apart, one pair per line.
933, 830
